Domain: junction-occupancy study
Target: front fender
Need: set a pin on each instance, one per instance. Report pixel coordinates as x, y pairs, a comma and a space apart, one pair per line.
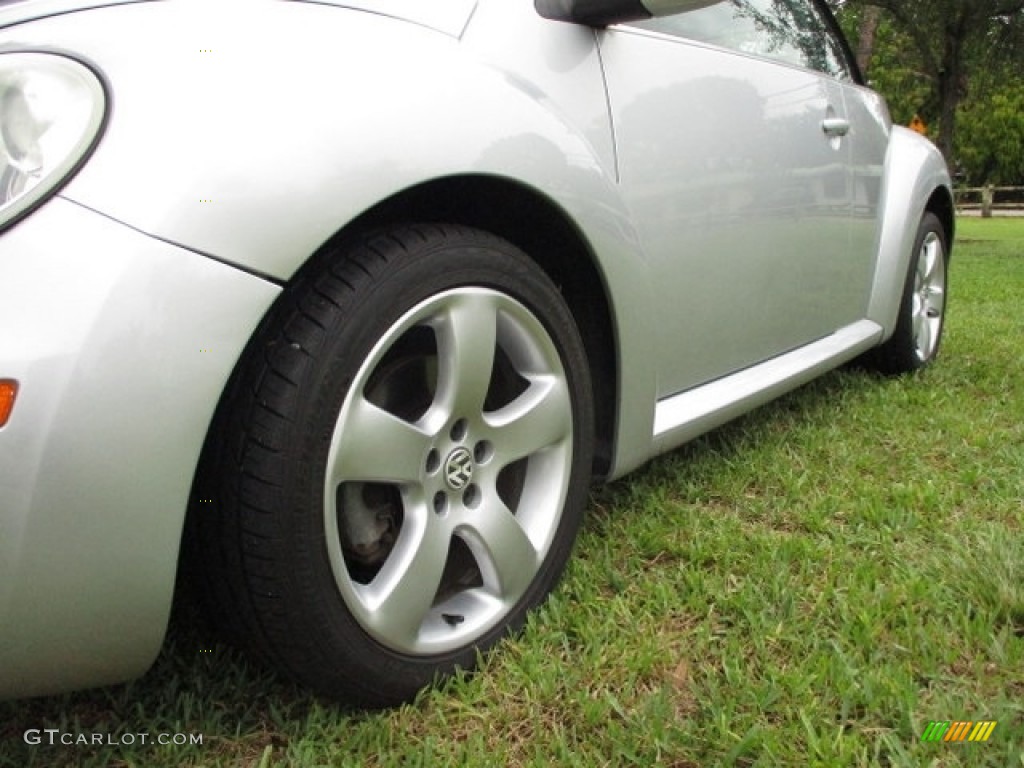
257, 146
914, 171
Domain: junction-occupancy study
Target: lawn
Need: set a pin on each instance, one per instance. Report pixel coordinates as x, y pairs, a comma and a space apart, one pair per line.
811, 585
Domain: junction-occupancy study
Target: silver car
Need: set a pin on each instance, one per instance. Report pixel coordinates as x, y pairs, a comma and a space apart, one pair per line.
337, 308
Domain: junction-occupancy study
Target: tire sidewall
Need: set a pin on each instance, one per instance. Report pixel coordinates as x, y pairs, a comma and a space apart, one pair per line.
375, 304
898, 355
905, 330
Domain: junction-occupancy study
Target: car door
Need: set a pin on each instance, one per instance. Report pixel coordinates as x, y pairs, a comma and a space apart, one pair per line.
734, 159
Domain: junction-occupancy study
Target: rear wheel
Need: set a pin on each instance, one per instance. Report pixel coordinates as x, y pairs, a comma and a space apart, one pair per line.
403, 464
915, 342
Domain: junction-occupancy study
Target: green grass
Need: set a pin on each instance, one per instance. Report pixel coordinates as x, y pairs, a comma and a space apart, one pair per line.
810, 585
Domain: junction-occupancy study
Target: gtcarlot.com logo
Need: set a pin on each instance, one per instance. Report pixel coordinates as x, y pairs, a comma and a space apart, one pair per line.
55, 737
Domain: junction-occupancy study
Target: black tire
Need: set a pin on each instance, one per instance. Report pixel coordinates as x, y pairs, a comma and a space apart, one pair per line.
433, 377
919, 325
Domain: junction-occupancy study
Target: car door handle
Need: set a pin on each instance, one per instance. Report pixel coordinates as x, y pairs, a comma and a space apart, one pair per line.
835, 126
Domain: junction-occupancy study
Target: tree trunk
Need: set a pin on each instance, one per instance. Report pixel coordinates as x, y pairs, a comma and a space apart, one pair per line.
950, 90
866, 40
948, 101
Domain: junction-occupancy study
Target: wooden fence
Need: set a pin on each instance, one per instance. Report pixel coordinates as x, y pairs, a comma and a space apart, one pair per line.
988, 199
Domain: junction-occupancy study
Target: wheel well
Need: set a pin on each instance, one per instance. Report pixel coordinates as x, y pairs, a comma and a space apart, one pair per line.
545, 233
941, 204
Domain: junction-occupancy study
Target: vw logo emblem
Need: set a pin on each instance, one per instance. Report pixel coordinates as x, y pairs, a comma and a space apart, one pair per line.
458, 470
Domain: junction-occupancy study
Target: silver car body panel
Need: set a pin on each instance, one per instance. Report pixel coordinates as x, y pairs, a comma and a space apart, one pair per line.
914, 171
192, 178
122, 345
687, 415
20, 11
741, 200
254, 146
448, 16
197, 177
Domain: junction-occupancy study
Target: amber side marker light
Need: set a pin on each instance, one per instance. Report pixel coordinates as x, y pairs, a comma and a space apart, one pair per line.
8, 391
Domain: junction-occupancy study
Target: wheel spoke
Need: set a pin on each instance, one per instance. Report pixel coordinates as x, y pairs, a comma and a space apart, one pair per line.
929, 296
375, 445
504, 553
934, 284
538, 418
930, 261
935, 301
466, 342
922, 268
923, 334
396, 602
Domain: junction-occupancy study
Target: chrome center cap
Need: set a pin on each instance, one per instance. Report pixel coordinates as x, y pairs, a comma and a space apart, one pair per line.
458, 469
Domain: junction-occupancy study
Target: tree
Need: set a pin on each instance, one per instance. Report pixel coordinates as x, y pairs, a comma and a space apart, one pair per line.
990, 136
948, 39
867, 33
990, 120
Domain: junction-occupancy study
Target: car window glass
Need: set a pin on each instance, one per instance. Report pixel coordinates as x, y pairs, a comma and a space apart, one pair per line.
791, 31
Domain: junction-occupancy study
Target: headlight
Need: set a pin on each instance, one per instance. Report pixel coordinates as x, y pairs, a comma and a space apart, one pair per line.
51, 110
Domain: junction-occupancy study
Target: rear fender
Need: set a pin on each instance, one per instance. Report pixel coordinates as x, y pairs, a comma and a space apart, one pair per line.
914, 171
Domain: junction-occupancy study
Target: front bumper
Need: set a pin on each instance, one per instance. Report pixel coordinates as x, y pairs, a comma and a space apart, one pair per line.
121, 345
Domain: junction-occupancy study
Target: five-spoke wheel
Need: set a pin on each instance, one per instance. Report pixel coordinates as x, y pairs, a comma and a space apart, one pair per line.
448, 469
402, 464
915, 340
928, 302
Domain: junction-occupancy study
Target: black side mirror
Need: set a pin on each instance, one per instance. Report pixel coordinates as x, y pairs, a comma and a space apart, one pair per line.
601, 13
593, 13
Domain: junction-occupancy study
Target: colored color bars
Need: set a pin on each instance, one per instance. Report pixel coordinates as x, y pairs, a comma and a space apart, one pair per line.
959, 730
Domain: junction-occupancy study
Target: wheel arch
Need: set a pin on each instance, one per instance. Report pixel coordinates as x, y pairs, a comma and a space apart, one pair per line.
916, 180
547, 234
941, 204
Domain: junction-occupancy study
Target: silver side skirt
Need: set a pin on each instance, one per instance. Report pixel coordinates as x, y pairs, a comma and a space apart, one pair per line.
683, 417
